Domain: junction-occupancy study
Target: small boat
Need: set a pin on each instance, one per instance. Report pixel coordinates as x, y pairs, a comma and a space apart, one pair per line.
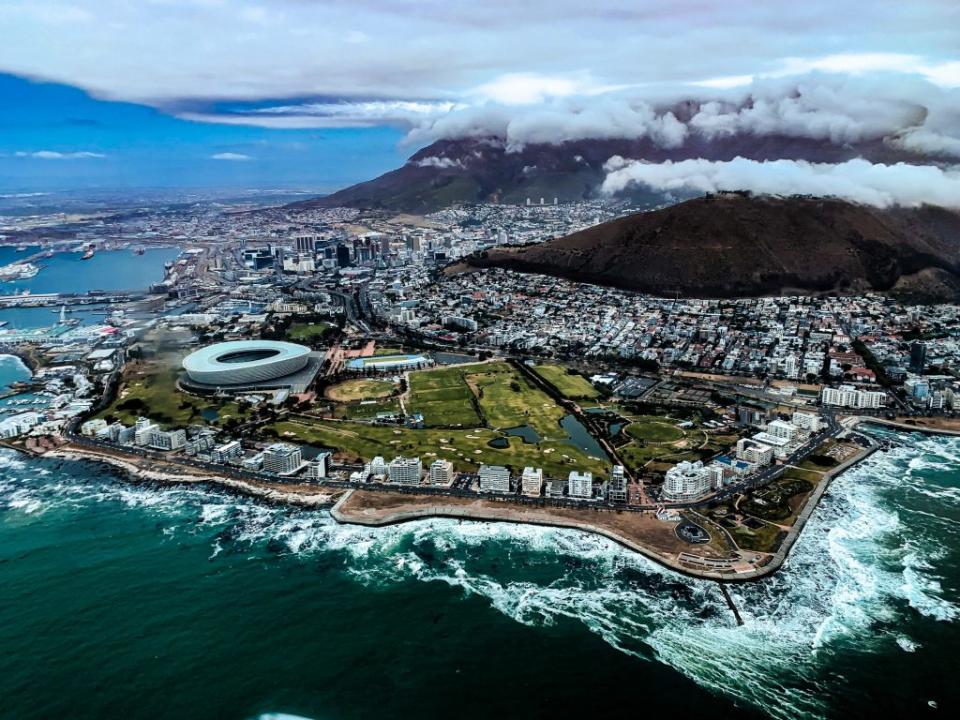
139, 251
87, 255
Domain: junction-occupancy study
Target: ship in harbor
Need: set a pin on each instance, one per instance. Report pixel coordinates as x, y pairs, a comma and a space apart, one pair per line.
18, 271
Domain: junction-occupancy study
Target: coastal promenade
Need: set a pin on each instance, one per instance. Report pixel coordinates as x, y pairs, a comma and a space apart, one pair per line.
641, 533
140, 469
636, 529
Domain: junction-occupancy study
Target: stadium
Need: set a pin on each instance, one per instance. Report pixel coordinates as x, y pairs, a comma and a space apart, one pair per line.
251, 364
389, 363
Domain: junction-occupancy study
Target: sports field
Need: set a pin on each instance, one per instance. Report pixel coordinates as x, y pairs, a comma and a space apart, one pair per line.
443, 397
299, 332
353, 390
571, 386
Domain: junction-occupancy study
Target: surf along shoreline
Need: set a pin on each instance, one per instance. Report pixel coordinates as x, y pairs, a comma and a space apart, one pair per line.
382, 507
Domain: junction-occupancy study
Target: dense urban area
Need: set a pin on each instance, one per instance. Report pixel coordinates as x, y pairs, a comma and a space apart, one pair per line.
347, 354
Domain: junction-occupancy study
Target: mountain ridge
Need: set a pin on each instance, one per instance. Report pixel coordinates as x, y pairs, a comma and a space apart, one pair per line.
479, 170
741, 245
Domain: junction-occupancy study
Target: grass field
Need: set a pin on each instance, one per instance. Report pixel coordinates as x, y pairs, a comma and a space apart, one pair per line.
353, 390
507, 400
762, 539
572, 387
443, 397
656, 430
449, 399
366, 411
307, 331
149, 388
465, 448
658, 443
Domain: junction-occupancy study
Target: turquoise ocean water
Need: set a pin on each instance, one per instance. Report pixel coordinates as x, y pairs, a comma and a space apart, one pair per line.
147, 601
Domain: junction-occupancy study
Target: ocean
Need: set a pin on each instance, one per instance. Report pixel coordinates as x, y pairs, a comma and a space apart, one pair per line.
106, 270
149, 601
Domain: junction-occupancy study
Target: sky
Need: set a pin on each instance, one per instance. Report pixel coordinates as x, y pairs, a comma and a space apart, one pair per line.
320, 94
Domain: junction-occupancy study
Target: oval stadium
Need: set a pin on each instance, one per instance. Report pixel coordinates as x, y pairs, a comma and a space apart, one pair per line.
245, 362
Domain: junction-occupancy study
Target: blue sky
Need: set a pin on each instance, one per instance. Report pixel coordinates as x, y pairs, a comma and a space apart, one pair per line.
56, 137
323, 93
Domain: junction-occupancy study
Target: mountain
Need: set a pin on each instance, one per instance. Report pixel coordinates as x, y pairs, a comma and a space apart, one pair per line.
449, 172
738, 245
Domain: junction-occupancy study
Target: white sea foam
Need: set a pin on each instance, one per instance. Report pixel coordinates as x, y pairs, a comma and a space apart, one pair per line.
859, 563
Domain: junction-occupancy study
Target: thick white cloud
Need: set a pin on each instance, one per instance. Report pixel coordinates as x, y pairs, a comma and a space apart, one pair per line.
162, 50
856, 180
904, 111
58, 155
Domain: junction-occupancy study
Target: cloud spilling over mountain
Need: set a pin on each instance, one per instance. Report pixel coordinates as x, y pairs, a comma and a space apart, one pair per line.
856, 180
903, 111
878, 138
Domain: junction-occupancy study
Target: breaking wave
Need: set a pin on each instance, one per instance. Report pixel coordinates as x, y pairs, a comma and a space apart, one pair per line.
868, 556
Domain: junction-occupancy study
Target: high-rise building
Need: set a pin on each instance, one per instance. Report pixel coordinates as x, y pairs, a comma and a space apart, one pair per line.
281, 458
167, 440
318, 467
918, 357
580, 485
441, 472
227, 452
143, 430
343, 256
781, 429
494, 478
754, 452
531, 482
305, 243
405, 471
686, 481
378, 466
258, 258
617, 485
807, 421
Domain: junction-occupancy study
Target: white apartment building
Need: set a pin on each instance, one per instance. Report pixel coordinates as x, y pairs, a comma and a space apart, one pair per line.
282, 458
617, 486
807, 421
441, 472
163, 440
92, 427
142, 431
405, 471
754, 452
531, 482
849, 396
227, 452
580, 485
781, 429
378, 466
686, 481
779, 445
494, 478
317, 468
